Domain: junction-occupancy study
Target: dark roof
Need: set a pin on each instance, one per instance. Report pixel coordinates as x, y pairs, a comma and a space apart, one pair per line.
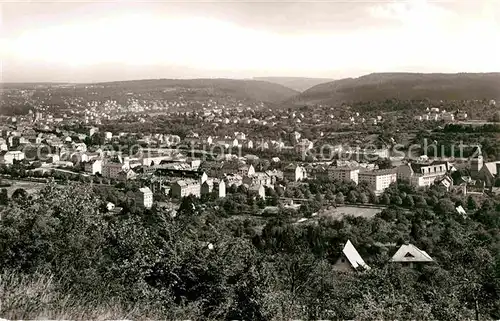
417, 167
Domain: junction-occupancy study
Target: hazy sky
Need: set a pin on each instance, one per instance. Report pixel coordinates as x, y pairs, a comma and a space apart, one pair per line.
113, 40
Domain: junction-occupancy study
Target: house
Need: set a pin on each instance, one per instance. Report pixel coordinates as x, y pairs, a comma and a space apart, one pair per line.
125, 175
108, 135
294, 173
378, 180
275, 175
206, 188
110, 206
186, 187
489, 172
350, 260
410, 255
220, 187
344, 173
112, 169
257, 179
445, 181
257, 190
423, 174
93, 167
8, 157
461, 211
144, 197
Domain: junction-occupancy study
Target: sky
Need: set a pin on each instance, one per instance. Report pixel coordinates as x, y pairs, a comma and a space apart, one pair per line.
76, 41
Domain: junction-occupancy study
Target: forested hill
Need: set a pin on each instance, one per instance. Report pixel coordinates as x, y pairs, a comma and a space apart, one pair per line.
382, 86
297, 83
239, 89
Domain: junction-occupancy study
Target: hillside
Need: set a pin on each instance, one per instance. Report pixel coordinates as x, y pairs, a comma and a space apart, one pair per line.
381, 86
297, 83
202, 88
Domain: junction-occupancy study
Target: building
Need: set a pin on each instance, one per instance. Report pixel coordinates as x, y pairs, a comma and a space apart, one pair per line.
423, 174
344, 173
257, 190
410, 255
448, 117
186, 187
220, 187
93, 167
112, 169
108, 136
8, 157
378, 180
206, 188
350, 260
294, 173
258, 179
125, 175
144, 197
489, 172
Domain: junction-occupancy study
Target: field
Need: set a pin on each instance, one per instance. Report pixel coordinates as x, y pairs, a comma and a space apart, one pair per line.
341, 211
30, 187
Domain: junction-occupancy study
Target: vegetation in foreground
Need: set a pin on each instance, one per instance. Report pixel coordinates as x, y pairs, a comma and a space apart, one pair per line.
61, 256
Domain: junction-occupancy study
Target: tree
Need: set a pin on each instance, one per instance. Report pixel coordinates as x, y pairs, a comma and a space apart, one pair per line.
319, 198
409, 201
396, 200
19, 194
363, 198
339, 198
386, 199
383, 163
4, 197
352, 197
445, 206
471, 203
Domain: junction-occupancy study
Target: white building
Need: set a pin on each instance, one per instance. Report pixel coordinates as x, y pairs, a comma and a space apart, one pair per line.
144, 197
423, 174
108, 135
378, 180
344, 173
93, 167
8, 157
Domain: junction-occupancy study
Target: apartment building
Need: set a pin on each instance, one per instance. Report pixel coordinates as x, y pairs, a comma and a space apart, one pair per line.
112, 169
378, 180
144, 197
294, 173
184, 188
423, 174
344, 173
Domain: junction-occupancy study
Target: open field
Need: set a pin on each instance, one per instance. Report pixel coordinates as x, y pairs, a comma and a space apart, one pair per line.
30, 187
341, 211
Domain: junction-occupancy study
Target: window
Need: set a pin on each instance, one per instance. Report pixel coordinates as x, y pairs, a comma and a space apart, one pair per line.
409, 255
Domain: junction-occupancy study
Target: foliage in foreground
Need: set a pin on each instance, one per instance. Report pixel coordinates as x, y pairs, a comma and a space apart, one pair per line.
62, 257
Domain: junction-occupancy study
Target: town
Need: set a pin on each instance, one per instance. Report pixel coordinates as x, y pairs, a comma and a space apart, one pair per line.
160, 185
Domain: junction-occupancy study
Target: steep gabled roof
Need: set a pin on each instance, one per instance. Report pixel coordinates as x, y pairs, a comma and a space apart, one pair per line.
411, 253
352, 255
